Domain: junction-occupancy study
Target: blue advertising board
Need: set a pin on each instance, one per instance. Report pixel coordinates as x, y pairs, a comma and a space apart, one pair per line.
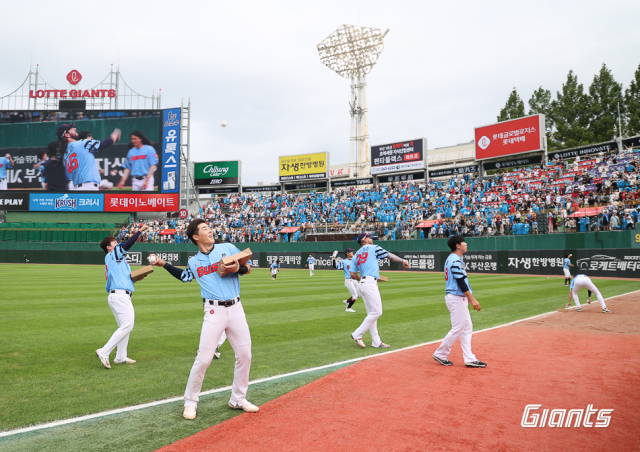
66, 202
170, 151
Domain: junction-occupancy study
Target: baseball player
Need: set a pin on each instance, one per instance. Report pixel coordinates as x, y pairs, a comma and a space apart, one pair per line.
275, 268
458, 295
351, 284
311, 262
119, 287
6, 163
577, 283
104, 183
365, 261
141, 163
223, 312
42, 157
565, 268
78, 156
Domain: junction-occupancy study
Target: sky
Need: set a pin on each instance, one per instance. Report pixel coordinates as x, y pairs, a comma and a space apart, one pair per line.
447, 67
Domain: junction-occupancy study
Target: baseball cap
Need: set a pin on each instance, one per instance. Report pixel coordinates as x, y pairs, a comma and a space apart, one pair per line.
361, 237
64, 128
348, 250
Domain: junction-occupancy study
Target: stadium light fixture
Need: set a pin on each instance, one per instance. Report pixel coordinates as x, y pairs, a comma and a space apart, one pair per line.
351, 51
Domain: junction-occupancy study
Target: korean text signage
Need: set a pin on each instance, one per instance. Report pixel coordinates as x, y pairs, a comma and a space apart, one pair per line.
401, 156
454, 171
401, 177
14, 201
303, 167
525, 161
510, 137
217, 173
218, 190
585, 150
352, 182
306, 186
171, 150
260, 188
140, 203
66, 202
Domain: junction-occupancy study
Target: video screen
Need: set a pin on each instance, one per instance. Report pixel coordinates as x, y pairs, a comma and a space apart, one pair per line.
80, 151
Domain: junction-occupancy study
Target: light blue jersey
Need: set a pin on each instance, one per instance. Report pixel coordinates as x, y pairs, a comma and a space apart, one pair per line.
574, 280
80, 162
275, 266
311, 260
454, 269
567, 262
140, 161
204, 268
347, 266
365, 260
5, 164
117, 270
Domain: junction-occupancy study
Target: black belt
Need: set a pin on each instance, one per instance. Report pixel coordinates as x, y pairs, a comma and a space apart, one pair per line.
120, 290
225, 303
139, 177
2, 180
368, 277
76, 186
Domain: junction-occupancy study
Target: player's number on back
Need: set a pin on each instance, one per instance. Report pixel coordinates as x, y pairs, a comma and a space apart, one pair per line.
362, 258
73, 162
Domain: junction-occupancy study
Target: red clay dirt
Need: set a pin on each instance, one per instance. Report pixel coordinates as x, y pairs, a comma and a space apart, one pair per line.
407, 402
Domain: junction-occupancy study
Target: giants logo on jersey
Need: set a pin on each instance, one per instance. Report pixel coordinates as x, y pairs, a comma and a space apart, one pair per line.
207, 269
138, 157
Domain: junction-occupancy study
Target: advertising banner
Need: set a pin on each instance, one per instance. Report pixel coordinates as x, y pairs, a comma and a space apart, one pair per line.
306, 186
400, 156
171, 150
453, 171
401, 177
583, 150
217, 173
303, 167
140, 203
516, 136
218, 190
523, 161
260, 188
481, 261
14, 201
423, 260
66, 202
352, 182
287, 260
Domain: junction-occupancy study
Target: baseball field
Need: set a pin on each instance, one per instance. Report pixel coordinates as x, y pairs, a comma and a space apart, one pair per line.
55, 317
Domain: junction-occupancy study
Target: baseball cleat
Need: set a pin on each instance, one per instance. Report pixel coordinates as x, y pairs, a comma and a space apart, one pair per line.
382, 345
476, 363
359, 341
189, 412
126, 361
350, 310
104, 361
247, 407
606, 311
579, 309
216, 354
345, 301
444, 362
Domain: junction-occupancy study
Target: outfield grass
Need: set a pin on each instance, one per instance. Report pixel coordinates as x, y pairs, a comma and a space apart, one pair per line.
54, 317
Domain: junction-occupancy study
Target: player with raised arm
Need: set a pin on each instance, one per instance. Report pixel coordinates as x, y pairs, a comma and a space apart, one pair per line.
120, 288
223, 312
577, 283
6, 163
365, 261
565, 268
350, 283
78, 156
275, 269
141, 163
458, 295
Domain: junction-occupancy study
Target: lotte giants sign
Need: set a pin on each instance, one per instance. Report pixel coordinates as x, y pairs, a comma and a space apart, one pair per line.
516, 136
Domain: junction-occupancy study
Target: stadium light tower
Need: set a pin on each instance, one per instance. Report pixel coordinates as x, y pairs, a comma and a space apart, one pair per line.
352, 51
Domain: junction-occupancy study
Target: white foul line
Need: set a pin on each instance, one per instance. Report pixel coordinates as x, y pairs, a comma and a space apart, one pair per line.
254, 382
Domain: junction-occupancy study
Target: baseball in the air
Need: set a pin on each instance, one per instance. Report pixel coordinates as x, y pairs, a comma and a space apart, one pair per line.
152, 259
224, 124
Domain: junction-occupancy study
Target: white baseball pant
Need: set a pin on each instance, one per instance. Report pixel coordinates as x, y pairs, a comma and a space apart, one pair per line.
218, 319
352, 287
585, 281
311, 267
274, 272
373, 304
136, 184
3, 184
122, 309
567, 273
461, 327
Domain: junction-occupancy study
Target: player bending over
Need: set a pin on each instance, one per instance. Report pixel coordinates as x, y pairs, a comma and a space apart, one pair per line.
580, 281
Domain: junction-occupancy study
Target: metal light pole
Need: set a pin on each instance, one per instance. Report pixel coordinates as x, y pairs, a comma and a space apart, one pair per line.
352, 51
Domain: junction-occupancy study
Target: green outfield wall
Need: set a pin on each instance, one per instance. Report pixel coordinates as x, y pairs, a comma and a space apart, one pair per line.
615, 254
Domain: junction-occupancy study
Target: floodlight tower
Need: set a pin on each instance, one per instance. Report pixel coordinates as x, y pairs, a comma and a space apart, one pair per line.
352, 51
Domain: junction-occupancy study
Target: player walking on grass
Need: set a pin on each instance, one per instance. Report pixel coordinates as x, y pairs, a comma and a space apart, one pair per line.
577, 283
458, 295
275, 268
119, 287
365, 261
311, 262
350, 283
565, 268
223, 312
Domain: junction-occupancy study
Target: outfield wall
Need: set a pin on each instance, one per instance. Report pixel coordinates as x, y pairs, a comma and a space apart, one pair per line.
614, 254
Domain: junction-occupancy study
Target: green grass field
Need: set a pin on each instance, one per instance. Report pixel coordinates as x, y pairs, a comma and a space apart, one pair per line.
54, 317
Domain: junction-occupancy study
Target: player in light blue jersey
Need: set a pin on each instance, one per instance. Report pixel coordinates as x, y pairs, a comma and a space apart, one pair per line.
6, 163
311, 262
141, 163
351, 284
275, 269
78, 156
119, 287
223, 312
365, 261
577, 283
565, 268
458, 295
